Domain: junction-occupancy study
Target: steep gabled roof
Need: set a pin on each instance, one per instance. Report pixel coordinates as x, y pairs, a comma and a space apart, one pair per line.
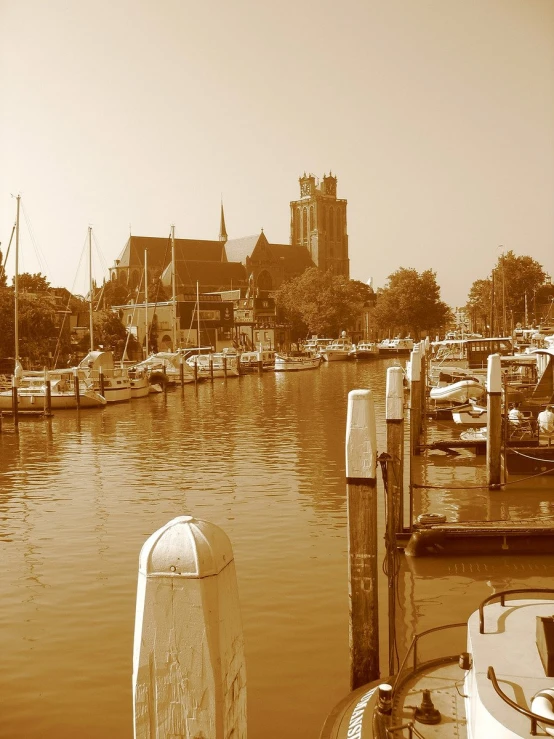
238, 249
159, 251
297, 258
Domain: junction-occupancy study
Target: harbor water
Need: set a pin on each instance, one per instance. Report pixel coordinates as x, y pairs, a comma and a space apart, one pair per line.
262, 456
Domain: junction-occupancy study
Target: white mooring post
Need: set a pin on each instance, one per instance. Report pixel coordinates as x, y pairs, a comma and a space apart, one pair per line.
415, 401
494, 420
361, 496
189, 675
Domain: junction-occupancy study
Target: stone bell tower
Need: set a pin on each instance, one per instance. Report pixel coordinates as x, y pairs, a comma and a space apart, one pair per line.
318, 223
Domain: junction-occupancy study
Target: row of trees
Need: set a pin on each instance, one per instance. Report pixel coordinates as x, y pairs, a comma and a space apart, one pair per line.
324, 304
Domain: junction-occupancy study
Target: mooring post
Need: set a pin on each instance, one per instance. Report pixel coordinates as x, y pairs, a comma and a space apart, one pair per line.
15, 403
494, 421
211, 364
260, 363
101, 381
423, 381
196, 371
189, 675
394, 415
181, 370
415, 401
76, 386
48, 397
361, 496
225, 366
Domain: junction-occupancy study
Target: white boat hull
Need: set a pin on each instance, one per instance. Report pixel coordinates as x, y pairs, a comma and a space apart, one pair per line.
295, 364
36, 401
458, 392
470, 417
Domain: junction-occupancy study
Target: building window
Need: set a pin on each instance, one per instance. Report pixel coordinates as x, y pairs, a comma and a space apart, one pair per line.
304, 224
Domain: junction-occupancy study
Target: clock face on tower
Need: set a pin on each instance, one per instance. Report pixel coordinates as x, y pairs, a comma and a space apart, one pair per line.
331, 187
305, 188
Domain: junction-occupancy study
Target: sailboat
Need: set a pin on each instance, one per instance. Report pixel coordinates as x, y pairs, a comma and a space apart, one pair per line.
98, 366
33, 387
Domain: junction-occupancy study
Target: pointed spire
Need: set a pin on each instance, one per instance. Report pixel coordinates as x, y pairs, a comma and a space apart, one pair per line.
222, 230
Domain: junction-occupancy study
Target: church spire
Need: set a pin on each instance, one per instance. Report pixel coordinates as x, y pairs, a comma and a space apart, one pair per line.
222, 230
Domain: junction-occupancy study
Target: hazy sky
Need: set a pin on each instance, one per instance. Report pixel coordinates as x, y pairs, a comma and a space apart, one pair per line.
437, 116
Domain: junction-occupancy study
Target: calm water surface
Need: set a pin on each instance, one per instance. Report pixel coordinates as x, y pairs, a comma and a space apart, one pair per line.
262, 457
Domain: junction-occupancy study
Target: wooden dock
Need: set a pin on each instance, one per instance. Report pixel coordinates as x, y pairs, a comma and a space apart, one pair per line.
480, 537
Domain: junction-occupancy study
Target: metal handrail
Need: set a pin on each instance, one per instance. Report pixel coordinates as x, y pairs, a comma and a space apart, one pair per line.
412, 731
502, 595
413, 647
534, 717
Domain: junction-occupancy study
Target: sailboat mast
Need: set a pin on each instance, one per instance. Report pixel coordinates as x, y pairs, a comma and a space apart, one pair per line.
90, 287
146, 332
198, 312
16, 284
173, 288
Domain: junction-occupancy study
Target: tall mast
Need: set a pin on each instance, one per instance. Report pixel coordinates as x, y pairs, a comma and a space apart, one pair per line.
174, 298
90, 287
146, 332
198, 312
16, 284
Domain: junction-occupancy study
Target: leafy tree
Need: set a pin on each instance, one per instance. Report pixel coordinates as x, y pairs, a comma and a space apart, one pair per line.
3, 278
321, 302
410, 303
514, 282
28, 283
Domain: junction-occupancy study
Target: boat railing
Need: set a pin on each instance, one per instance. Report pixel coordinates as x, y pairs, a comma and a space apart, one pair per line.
392, 731
409, 667
502, 596
533, 717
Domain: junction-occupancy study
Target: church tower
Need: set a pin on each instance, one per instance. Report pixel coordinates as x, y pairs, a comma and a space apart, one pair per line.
318, 223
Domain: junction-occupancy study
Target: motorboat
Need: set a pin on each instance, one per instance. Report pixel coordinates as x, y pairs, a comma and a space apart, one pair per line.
164, 368
478, 434
393, 347
109, 380
32, 392
364, 350
250, 361
216, 364
458, 392
339, 350
499, 685
296, 361
470, 415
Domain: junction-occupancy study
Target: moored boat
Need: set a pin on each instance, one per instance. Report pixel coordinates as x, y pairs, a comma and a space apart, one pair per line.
250, 361
164, 368
110, 381
339, 350
296, 361
32, 389
470, 415
458, 392
394, 347
140, 386
364, 350
498, 685
217, 364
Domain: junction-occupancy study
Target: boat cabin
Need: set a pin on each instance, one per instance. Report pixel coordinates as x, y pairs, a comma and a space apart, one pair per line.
471, 353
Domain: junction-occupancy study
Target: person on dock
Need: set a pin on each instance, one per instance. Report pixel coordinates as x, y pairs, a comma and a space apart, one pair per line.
545, 421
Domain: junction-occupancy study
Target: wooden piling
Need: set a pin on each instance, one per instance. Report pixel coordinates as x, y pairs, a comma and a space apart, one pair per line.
225, 366
182, 371
196, 371
423, 385
415, 401
48, 398
211, 364
189, 676
260, 363
494, 421
361, 493
76, 387
101, 381
15, 403
394, 415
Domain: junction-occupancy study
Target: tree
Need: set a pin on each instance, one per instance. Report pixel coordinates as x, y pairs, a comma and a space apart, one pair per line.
38, 327
3, 278
28, 283
321, 302
410, 303
512, 292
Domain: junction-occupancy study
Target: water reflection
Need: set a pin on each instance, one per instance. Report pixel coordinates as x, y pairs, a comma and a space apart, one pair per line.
263, 457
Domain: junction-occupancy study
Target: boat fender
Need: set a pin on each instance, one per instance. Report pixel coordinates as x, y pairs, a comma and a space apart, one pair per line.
543, 705
429, 518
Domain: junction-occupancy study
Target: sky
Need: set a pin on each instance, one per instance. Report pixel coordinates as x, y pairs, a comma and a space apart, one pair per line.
436, 116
